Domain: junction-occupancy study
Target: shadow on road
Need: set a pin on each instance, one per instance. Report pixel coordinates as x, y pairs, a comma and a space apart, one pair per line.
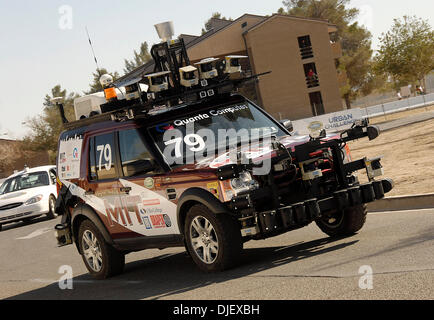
168, 275
19, 224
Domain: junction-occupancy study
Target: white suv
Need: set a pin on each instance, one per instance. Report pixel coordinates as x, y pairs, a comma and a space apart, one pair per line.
28, 194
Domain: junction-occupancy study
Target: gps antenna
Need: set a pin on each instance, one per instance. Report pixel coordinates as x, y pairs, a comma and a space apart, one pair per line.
93, 52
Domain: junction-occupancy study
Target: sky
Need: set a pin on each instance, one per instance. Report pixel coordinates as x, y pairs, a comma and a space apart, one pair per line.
44, 43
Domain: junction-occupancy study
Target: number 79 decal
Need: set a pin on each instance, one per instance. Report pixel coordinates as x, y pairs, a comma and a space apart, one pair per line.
194, 141
105, 150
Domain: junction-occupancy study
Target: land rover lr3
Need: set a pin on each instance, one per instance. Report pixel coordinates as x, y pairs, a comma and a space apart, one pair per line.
119, 192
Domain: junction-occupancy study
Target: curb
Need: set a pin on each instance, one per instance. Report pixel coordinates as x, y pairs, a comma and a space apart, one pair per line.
407, 202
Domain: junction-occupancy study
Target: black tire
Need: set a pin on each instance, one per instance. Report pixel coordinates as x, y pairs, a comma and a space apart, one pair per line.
347, 222
51, 205
28, 220
225, 232
1, 227
112, 261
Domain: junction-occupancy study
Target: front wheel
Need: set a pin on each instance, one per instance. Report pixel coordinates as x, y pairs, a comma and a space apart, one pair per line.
101, 260
213, 240
344, 222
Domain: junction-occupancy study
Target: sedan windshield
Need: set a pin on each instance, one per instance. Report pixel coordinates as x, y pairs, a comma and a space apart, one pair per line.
25, 181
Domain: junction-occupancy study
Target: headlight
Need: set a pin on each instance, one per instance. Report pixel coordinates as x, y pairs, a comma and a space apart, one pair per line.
243, 183
34, 199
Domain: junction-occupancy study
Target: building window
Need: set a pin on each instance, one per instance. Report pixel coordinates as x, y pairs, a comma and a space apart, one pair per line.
305, 47
316, 103
311, 75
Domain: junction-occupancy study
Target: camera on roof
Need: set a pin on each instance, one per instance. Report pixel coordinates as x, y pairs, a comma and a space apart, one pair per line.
207, 68
158, 81
132, 91
233, 63
189, 76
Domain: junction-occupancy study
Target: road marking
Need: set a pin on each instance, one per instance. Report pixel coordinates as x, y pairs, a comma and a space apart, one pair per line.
36, 233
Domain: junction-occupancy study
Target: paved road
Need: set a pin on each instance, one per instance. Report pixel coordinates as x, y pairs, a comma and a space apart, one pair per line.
304, 264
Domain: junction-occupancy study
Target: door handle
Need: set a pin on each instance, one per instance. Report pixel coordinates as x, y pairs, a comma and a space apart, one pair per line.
125, 189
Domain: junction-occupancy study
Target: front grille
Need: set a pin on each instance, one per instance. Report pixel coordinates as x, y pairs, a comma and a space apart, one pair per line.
11, 206
16, 216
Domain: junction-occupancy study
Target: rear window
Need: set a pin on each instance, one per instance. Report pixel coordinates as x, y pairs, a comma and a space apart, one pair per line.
102, 157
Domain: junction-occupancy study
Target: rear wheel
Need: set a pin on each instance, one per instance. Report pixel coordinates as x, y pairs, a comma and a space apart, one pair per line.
101, 260
51, 207
213, 241
1, 227
344, 222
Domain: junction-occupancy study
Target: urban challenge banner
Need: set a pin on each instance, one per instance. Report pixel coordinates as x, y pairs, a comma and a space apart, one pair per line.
332, 122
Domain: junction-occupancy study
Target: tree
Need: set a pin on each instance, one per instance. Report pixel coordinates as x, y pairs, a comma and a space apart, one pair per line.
95, 86
47, 127
140, 58
355, 40
208, 23
407, 51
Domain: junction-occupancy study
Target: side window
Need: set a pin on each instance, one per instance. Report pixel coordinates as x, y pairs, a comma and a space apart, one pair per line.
135, 157
92, 161
53, 176
103, 157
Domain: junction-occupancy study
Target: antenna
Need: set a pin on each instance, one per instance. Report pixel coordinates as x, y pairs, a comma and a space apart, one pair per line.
93, 52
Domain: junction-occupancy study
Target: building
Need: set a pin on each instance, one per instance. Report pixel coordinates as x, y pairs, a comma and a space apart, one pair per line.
14, 157
300, 52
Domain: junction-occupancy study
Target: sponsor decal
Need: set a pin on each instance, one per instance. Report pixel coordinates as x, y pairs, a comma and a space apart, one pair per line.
70, 156
213, 187
149, 183
146, 222
151, 202
167, 220
211, 113
164, 127
158, 221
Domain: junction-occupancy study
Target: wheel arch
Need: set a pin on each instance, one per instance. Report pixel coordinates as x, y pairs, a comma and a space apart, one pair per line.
193, 196
84, 212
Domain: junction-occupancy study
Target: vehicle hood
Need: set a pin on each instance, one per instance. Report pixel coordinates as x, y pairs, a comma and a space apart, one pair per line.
21, 195
256, 151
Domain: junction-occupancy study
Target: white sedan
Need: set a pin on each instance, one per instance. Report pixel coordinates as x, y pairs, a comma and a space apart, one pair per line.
28, 194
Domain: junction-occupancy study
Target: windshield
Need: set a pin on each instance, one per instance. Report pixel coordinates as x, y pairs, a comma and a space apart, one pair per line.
215, 128
25, 181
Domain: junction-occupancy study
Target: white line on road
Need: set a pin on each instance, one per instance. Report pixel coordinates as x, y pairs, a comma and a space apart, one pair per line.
36, 233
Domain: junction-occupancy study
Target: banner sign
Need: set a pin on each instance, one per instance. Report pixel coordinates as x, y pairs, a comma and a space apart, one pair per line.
332, 122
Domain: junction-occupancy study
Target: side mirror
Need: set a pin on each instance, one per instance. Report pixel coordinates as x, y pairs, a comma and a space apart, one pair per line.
287, 124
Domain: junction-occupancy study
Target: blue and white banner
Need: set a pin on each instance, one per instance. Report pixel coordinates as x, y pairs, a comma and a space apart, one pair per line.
332, 122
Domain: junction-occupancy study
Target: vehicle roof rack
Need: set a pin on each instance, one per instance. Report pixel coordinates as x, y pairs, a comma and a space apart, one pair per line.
173, 82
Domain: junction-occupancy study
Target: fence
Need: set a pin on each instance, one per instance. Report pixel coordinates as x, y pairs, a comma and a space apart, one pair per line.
400, 105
